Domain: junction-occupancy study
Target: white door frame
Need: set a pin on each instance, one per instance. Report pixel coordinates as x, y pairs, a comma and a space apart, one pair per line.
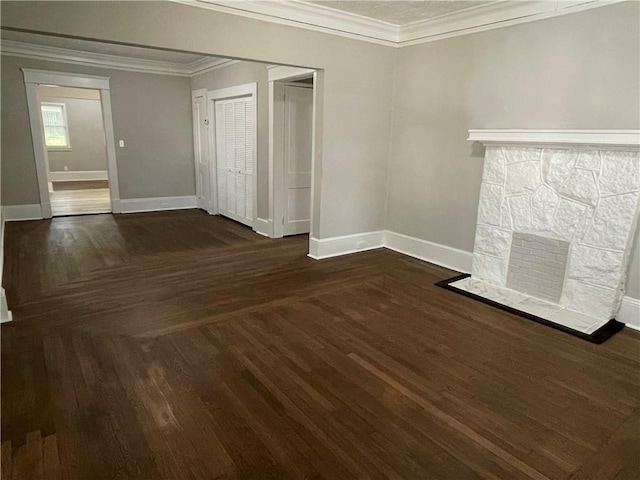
276, 156
33, 78
202, 92
248, 89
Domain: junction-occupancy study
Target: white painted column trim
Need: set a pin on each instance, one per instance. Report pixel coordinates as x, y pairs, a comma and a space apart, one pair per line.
32, 78
276, 172
39, 150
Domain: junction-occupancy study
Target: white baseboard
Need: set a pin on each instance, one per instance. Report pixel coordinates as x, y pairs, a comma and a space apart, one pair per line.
629, 313
154, 204
78, 176
448, 257
335, 246
263, 227
459, 260
21, 212
5, 313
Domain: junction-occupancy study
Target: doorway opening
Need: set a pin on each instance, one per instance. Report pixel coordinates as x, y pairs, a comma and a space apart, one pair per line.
294, 130
74, 139
292, 116
71, 126
225, 135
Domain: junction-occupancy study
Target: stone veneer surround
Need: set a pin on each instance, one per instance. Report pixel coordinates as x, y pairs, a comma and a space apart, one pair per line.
583, 194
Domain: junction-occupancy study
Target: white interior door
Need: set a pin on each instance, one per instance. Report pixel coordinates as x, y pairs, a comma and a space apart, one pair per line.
201, 150
234, 158
298, 130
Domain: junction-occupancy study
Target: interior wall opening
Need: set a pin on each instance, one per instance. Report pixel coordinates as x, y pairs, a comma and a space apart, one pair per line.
76, 155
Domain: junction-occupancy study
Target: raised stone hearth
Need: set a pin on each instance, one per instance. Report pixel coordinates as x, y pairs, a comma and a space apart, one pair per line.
556, 220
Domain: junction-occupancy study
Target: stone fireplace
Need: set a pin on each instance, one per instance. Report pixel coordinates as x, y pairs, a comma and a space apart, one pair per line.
556, 219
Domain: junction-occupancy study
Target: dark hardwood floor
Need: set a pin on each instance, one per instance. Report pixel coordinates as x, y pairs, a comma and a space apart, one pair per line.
176, 345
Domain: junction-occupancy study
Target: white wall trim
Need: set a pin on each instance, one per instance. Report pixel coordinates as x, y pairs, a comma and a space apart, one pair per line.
77, 175
207, 65
448, 257
281, 72
34, 77
21, 212
321, 18
75, 80
39, 149
307, 16
155, 204
77, 57
607, 138
336, 246
235, 91
490, 17
629, 313
5, 313
263, 227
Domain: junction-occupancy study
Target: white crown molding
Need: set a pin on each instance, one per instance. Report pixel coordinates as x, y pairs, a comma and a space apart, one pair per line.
605, 138
490, 17
43, 52
307, 16
496, 14
473, 18
278, 72
100, 60
206, 65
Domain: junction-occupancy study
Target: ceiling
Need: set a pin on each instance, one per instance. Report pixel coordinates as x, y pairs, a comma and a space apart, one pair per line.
399, 12
124, 51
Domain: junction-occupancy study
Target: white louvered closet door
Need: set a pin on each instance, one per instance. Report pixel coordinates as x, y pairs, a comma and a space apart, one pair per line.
234, 154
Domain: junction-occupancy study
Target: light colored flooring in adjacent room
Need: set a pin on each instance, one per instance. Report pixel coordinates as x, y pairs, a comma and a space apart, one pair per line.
80, 198
180, 345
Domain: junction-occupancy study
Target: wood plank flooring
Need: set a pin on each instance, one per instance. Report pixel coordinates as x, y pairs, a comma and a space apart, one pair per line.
80, 198
176, 345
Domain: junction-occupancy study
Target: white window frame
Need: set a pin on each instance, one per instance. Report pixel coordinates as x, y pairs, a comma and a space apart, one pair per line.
57, 148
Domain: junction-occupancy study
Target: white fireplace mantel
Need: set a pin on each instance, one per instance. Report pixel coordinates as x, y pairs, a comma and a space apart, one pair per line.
629, 139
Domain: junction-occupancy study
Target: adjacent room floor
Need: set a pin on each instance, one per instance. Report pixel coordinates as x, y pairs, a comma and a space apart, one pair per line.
177, 345
79, 198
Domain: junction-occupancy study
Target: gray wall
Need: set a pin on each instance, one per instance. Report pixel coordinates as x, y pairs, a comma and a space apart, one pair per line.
86, 136
356, 85
151, 113
579, 71
239, 74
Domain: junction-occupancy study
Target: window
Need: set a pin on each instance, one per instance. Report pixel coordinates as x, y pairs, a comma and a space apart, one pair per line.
54, 120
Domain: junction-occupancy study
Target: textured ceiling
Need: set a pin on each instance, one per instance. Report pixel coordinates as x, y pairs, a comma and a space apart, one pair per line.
104, 48
399, 12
